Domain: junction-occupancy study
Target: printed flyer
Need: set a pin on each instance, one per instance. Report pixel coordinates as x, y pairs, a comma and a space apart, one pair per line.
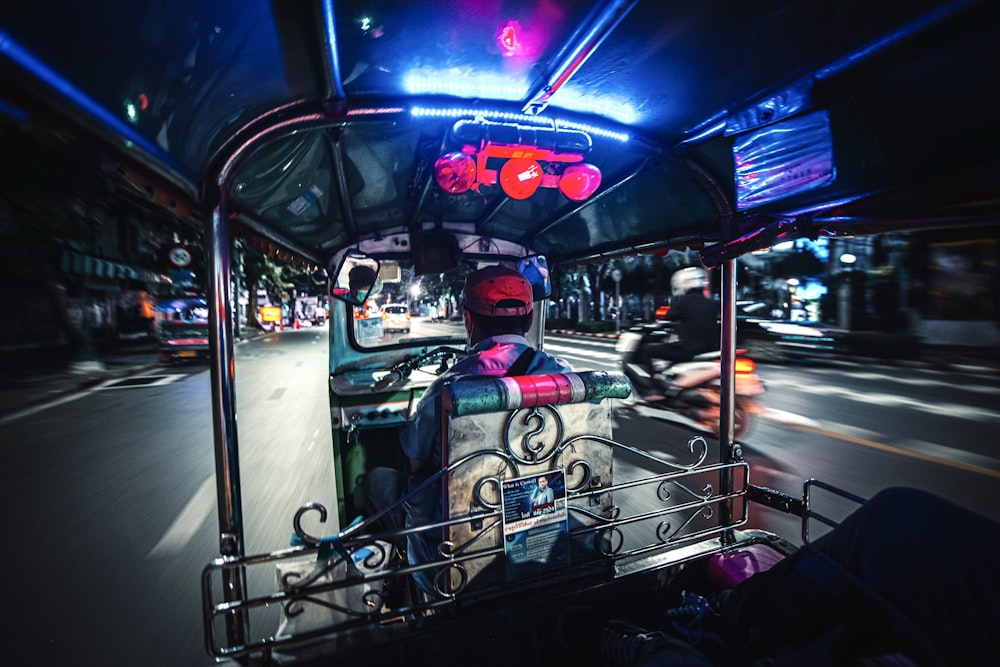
535, 524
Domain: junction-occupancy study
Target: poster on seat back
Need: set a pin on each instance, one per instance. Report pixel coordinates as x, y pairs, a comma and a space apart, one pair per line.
535, 525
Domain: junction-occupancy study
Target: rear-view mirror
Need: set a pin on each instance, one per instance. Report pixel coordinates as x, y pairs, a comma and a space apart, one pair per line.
356, 279
536, 269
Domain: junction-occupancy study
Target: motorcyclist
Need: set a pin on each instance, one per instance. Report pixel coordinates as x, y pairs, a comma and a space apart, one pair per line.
691, 325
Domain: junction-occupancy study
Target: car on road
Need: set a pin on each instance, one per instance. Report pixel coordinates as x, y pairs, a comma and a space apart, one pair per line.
183, 340
396, 317
766, 338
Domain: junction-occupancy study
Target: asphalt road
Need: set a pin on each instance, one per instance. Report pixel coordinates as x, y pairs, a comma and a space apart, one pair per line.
109, 491
860, 426
111, 504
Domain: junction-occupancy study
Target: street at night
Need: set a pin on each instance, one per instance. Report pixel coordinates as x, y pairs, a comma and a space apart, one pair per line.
111, 493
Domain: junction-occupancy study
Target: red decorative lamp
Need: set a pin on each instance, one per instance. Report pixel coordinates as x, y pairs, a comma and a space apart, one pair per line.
520, 177
455, 172
579, 181
531, 156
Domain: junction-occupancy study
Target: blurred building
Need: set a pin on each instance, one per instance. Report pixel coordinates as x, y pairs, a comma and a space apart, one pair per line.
86, 249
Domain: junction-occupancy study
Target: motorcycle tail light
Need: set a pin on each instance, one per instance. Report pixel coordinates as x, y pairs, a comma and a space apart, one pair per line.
744, 365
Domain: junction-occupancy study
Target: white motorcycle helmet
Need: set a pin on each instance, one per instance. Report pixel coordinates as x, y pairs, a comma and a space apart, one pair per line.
685, 280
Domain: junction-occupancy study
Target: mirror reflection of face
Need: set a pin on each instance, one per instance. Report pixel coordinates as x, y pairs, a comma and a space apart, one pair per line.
361, 279
356, 280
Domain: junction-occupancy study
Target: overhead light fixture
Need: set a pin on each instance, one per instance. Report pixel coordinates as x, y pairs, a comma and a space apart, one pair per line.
520, 177
532, 157
579, 181
507, 39
455, 172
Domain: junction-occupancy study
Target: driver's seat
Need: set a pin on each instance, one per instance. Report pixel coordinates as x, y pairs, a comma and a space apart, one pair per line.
498, 429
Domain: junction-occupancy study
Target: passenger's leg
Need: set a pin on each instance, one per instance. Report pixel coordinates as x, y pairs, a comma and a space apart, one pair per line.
423, 507
906, 562
381, 489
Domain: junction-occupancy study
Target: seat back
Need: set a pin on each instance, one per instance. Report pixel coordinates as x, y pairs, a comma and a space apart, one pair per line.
500, 429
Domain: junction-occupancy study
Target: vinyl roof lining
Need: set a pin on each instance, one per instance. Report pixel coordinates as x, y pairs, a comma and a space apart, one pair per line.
854, 60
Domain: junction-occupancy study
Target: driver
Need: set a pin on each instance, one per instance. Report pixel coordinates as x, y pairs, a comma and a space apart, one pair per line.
361, 280
497, 304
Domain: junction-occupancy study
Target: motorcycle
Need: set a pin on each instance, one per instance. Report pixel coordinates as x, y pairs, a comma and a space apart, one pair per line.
689, 388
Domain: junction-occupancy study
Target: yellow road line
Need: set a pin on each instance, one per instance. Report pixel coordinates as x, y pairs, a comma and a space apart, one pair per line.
969, 467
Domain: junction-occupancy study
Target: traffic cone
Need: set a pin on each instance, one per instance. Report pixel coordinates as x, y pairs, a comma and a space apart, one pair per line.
297, 323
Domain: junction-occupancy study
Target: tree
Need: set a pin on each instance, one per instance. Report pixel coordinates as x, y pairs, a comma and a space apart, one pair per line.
261, 271
798, 264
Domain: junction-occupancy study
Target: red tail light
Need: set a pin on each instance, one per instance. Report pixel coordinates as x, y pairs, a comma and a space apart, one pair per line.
744, 365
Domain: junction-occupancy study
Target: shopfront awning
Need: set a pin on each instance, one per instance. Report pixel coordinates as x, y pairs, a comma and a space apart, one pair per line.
82, 264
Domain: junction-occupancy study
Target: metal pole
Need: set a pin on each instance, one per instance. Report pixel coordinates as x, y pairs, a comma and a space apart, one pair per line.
227, 467
618, 305
727, 388
616, 275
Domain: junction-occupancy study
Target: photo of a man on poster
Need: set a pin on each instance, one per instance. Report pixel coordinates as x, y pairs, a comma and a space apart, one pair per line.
543, 500
535, 523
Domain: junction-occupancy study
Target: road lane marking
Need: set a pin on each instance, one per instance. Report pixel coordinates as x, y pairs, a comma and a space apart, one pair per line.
892, 449
138, 382
155, 381
889, 400
14, 416
583, 352
926, 382
187, 523
790, 418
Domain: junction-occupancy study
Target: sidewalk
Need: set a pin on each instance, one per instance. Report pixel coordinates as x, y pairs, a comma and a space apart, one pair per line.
42, 375
39, 375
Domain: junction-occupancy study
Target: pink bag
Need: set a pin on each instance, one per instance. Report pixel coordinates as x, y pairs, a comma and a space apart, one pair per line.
725, 570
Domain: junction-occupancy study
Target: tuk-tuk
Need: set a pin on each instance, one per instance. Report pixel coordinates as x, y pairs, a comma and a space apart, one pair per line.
182, 330
422, 141
182, 340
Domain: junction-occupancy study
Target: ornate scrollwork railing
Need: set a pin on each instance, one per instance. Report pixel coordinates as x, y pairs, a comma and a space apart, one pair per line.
356, 577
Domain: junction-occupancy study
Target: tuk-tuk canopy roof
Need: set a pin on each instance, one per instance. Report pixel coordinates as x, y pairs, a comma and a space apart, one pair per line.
719, 123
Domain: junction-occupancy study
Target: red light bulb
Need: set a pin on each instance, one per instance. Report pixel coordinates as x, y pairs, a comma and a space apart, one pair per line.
579, 181
455, 172
520, 177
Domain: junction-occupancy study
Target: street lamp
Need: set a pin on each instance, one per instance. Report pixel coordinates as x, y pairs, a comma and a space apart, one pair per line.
844, 292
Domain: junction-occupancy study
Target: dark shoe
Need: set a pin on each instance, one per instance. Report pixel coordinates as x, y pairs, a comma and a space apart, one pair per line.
696, 619
626, 645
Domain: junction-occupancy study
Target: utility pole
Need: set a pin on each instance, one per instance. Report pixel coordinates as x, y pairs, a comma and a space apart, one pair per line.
616, 275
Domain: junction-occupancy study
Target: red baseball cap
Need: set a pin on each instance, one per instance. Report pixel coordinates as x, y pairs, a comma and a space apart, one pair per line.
497, 290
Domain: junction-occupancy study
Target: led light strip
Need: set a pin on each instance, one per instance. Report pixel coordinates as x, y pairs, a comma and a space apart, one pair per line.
458, 112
